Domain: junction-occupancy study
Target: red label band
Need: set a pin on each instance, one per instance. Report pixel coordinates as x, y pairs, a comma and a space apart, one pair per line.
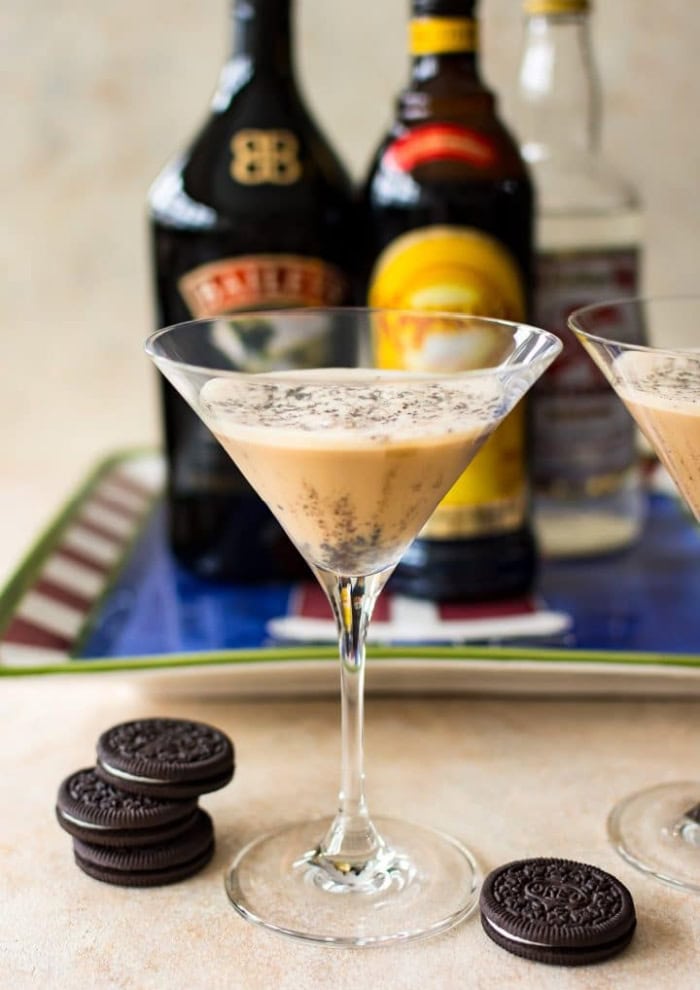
439, 142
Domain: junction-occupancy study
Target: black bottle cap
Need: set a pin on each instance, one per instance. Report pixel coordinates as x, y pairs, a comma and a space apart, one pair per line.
444, 8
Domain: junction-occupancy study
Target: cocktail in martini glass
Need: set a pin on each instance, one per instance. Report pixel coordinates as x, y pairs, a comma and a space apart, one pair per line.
352, 458
657, 829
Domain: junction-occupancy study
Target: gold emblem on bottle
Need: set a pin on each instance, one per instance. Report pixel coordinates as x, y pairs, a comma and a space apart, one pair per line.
265, 156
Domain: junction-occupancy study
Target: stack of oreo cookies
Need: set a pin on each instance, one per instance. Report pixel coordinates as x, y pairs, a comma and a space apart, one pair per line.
134, 816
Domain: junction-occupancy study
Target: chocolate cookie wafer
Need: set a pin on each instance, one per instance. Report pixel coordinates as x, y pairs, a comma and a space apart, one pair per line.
557, 911
167, 758
153, 865
90, 809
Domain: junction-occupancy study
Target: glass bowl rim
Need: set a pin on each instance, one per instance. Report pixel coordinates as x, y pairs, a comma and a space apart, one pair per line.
629, 302
301, 311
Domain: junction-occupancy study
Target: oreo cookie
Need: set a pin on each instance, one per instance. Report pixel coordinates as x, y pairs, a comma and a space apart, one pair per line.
90, 809
164, 757
557, 911
152, 865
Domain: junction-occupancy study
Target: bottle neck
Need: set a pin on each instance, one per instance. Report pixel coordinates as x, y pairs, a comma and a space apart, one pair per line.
263, 35
443, 45
444, 50
558, 94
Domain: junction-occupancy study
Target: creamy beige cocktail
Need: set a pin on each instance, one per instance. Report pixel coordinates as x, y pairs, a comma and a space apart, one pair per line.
352, 462
662, 392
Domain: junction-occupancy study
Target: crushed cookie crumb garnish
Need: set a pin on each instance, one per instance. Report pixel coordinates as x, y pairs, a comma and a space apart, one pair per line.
352, 404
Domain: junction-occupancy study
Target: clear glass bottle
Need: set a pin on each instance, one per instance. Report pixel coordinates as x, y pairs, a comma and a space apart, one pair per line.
588, 498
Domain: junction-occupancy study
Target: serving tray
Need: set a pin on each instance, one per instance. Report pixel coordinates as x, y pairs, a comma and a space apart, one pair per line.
100, 591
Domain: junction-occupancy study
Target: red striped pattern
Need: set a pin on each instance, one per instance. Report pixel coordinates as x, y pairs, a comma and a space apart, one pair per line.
56, 603
63, 595
22, 632
112, 505
78, 557
130, 484
101, 531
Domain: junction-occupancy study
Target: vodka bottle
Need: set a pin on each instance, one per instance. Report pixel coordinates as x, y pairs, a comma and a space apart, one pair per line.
588, 230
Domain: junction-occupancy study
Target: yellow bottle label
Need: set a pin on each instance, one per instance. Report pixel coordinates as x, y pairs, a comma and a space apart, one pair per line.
442, 35
545, 8
453, 269
458, 270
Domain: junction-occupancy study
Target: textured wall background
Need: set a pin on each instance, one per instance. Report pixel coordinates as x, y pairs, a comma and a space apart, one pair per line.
98, 95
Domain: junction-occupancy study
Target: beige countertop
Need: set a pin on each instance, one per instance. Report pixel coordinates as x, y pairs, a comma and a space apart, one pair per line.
91, 117
513, 778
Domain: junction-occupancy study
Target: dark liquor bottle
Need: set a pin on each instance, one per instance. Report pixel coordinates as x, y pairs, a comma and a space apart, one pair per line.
256, 214
449, 217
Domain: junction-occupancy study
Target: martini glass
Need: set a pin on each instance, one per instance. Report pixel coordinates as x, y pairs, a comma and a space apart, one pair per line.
352, 457
657, 830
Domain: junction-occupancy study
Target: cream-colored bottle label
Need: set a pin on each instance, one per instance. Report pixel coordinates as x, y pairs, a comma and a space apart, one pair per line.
458, 270
261, 281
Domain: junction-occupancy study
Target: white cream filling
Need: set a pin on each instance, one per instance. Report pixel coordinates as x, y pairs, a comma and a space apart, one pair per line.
82, 824
515, 938
115, 772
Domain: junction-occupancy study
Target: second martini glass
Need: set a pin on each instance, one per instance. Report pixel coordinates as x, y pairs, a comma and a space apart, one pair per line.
657, 829
352, 457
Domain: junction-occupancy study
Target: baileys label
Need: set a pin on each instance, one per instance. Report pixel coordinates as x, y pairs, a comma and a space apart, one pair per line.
261, 281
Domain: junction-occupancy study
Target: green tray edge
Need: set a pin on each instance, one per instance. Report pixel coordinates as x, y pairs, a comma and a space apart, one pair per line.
463, 654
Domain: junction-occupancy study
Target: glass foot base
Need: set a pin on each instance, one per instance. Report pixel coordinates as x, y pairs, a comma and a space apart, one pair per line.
657, 830
420, 883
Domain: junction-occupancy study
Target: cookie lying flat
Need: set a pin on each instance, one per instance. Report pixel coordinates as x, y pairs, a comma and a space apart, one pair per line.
93, 810
167, 758
153, 865
557, 911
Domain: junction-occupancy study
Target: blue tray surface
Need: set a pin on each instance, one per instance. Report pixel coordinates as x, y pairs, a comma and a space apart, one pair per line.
646, 598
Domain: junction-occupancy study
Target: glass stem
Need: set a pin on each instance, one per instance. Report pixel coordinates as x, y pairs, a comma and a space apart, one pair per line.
352, 841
